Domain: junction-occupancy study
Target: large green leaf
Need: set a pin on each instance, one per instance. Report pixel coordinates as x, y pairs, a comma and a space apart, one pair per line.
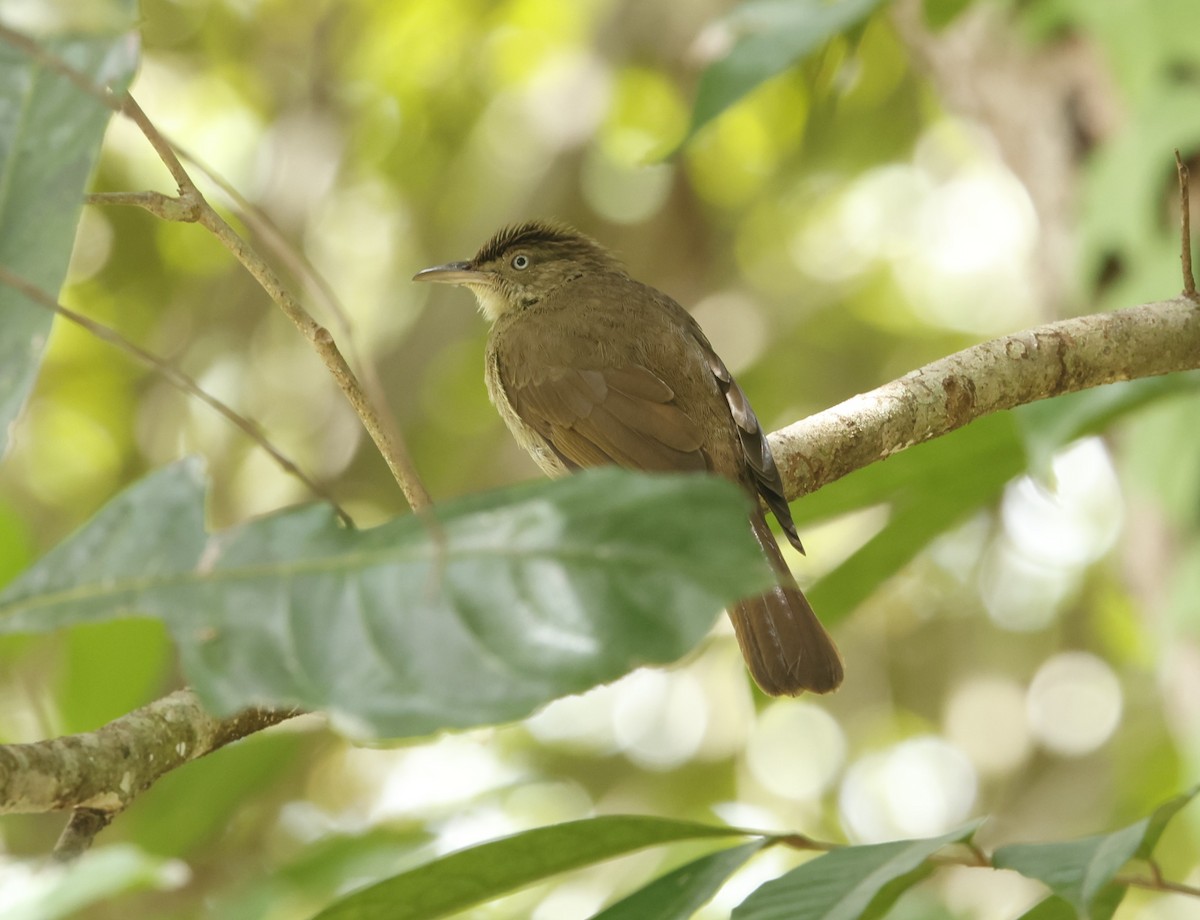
1081, 872
769, 36
930, 488
481, 873
50, 132
852, 883
680, 893
1048, 424
519, 597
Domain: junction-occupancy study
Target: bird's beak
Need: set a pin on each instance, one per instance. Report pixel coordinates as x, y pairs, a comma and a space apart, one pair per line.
453, 273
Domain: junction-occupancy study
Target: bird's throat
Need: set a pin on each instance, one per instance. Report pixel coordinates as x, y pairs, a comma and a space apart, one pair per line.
491, 302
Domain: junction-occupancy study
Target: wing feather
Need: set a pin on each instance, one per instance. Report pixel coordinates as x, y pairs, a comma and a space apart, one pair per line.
623, 415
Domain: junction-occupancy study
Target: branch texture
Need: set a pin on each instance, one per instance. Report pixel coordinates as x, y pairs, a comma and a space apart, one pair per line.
1051, 360
104, 770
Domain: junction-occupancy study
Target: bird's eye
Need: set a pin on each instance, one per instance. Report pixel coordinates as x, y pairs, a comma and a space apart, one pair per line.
520, 261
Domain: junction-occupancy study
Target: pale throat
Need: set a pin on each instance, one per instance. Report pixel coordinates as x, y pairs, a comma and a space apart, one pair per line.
491, 302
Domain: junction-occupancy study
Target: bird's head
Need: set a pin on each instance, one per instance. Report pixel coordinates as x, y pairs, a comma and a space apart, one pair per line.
521, 265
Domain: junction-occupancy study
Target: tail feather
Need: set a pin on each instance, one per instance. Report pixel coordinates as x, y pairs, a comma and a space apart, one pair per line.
785, 646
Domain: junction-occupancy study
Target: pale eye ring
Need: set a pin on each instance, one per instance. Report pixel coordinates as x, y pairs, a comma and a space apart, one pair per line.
520, 262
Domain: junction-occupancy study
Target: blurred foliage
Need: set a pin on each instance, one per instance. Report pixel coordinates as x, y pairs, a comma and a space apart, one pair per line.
534, 592
1024, 648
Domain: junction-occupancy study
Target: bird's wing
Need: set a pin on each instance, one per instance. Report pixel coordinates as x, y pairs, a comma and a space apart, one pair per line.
755, 447
622, 415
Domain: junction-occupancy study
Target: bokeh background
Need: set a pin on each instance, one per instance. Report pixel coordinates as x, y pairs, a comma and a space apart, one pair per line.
948, 172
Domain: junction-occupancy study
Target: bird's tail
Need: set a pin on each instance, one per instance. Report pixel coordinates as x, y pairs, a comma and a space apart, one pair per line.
785, 646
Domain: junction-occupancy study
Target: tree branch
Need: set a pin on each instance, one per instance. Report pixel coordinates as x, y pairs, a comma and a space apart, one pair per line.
1050, 360
97, 774
104, 770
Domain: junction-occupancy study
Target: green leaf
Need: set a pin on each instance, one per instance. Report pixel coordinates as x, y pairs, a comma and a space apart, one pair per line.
679, 894
481, 873
323, 869
930, 487
50, 132
1048, 424
1053, 908
769, 36
64, 891
1158, 820
187, 812
848, 883
522, 596
1081, 872
940, 13
936, 485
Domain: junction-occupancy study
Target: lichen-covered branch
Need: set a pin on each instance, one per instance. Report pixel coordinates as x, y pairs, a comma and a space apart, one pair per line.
1062, 357
99, 773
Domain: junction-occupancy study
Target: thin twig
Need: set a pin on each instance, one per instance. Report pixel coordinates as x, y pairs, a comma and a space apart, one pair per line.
77, 836
1155, 869
177, 378
804, 842
261, 225
1158, 884
1185, 229
168, 207
975, 857
391, 446
318, 289
387, 439
981, 858
187, 188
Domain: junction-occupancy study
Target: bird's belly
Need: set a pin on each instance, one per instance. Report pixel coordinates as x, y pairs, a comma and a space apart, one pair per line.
529, 440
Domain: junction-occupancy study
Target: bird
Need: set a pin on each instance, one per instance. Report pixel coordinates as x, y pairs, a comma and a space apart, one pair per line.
588, 367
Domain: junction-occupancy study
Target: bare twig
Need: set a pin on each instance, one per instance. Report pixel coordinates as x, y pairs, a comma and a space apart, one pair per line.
1050, 360
1185, 229
390, 445
168, 207
318, 290
1158, 884
252, 216
177, 378
804, 842
81, 829
193, 207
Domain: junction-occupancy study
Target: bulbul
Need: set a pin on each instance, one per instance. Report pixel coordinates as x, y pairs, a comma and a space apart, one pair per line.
589, 367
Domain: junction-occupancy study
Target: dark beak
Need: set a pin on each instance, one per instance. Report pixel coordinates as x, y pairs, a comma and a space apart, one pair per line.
452, 273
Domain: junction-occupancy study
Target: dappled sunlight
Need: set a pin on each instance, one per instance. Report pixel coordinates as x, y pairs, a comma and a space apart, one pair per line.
917, 788
1074, 703
659, 719
958, 236
796, 750
986, 718
1014, 603
1052, 532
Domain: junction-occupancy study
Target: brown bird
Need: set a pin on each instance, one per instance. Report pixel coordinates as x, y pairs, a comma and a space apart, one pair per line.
588, 367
